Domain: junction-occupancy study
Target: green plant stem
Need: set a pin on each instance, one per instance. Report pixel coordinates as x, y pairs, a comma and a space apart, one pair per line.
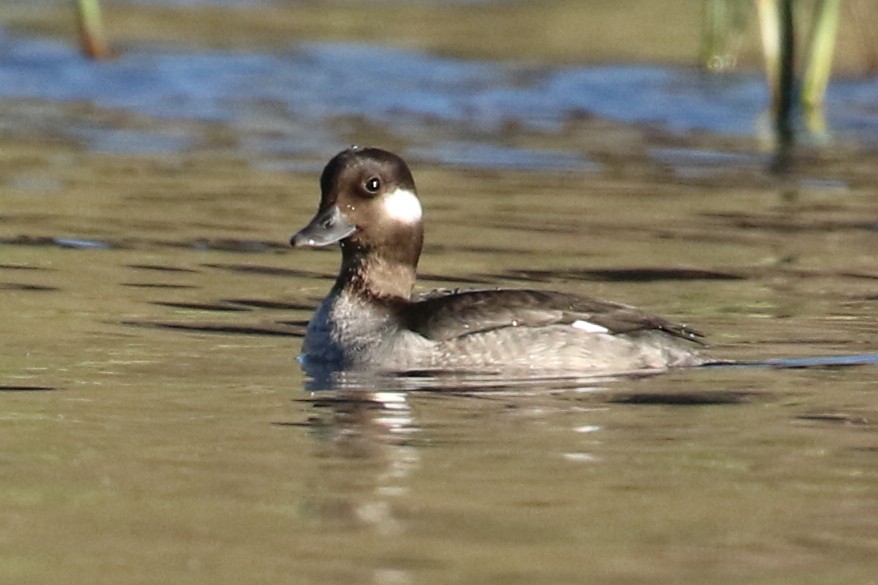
821, 46
91, 30
769, 26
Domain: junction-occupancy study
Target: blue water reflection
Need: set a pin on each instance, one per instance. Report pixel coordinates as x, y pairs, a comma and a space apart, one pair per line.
305, 100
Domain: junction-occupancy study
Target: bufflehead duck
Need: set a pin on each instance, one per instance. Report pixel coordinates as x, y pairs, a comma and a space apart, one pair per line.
369, 205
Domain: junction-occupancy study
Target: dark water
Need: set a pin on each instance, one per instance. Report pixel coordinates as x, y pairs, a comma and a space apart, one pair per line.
157, 425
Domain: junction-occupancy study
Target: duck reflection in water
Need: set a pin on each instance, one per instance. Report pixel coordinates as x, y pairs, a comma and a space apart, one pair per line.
372, 432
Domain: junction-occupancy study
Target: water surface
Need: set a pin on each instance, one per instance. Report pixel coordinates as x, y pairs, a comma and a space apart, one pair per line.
158, 426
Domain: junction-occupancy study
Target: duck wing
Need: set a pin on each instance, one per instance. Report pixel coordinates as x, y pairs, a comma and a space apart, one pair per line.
442, 317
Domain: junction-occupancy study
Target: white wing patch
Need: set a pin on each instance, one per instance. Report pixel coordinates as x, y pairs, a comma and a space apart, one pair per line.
590, 327
403, 206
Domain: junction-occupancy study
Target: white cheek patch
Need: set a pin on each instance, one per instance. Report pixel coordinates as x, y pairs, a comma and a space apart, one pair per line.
590, 327
403, 206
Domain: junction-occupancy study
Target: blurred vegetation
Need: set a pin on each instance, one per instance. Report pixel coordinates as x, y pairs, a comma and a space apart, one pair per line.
797, 66
850, 26
91, 29
551, 31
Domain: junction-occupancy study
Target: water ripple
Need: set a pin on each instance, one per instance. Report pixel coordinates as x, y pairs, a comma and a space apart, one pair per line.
290, 102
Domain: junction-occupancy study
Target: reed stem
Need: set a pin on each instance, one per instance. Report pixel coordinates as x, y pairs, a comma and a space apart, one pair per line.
769, 27
92, 41
821, 46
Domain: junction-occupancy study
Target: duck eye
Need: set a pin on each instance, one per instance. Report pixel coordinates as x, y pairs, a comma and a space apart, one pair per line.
372, 185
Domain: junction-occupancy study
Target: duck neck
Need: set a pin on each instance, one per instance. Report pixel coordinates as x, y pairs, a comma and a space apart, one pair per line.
365, 272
